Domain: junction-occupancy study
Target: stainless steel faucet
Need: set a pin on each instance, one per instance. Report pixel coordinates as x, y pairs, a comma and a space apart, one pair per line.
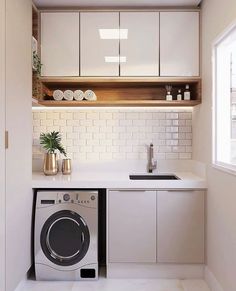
152, 164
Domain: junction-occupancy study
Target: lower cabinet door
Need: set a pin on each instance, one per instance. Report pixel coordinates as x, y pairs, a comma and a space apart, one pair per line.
180, 227
132, 226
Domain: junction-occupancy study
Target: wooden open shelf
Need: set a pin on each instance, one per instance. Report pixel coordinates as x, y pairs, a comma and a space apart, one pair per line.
118, 103
121, 91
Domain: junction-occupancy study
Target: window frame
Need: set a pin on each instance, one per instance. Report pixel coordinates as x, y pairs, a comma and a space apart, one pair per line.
223, 166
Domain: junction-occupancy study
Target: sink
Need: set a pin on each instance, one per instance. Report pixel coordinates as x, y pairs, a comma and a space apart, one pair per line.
154, 177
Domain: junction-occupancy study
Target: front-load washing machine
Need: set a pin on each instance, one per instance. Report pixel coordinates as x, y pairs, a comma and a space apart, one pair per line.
66, 235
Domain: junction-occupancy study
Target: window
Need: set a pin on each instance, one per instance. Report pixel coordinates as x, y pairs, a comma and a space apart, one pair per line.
225, 101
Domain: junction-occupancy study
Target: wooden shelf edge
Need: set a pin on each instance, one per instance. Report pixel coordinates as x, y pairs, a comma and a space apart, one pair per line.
121, 103
48, 80
35, 102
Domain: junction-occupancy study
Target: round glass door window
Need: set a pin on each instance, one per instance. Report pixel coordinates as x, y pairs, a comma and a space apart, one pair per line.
65, 238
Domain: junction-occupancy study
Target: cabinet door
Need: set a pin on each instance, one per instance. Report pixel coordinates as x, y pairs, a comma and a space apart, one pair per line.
2, 142
18, 157
179, 43
180, 227
99, 44
139, 49
132, 226
60, 43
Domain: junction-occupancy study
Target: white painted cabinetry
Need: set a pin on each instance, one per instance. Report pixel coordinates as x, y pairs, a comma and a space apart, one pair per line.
132, 226
156, 226
179, 43
139, 44
180, 226
60, 43
2, 143
16, 197
99, 43
120, 43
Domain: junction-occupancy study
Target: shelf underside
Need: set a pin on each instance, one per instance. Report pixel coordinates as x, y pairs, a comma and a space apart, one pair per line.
140, 80
119, 103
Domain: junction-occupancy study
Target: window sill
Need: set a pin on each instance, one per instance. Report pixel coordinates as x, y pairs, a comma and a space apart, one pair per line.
227, 168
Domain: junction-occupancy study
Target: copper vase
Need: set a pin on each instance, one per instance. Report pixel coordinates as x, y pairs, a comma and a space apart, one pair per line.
50, 166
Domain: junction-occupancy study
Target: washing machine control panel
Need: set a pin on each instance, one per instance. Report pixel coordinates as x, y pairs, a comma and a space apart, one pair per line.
86, 198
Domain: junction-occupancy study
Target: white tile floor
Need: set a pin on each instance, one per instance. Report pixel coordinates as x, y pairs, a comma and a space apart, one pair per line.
104, 284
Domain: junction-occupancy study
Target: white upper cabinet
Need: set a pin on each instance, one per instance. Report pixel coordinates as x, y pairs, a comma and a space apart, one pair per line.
99, 44
139, 44
60, 43
131, 226
180, 226
179, 44
120, 44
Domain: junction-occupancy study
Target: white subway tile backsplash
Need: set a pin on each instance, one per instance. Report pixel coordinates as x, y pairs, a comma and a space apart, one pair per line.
172, 156
185, 156
185, 115
92, 115
106, 115
79, 115
132, 115
185, 129
139, 122
117, 134
172, 115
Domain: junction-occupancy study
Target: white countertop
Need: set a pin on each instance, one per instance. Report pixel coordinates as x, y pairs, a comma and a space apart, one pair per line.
116, 180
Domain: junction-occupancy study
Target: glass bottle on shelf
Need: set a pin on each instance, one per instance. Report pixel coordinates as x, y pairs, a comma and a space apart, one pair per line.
179, 95
169, 97
187, 94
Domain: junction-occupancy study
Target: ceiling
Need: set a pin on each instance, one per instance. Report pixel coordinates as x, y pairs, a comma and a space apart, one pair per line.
115, 3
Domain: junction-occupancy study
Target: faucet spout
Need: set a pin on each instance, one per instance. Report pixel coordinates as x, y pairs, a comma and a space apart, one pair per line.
152, 164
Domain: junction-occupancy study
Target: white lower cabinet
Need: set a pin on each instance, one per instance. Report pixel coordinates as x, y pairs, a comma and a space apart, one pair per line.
156, 226
180, 227
132, 226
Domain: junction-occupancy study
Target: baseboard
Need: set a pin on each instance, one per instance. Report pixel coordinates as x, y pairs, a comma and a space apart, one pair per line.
159, 271
211, 280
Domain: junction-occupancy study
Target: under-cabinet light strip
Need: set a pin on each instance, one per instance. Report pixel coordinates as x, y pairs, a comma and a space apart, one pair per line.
150, 109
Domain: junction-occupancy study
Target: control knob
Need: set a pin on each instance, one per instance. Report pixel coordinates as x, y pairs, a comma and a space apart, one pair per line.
66, 197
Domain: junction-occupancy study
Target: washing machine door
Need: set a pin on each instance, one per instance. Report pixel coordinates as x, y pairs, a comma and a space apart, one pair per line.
65, 238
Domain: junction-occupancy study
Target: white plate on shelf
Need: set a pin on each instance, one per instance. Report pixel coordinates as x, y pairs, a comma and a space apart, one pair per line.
78, 95
69, 95
58, 95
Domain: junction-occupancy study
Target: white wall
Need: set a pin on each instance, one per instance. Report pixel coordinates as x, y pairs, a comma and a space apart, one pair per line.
18, 156
221, 202
2, 145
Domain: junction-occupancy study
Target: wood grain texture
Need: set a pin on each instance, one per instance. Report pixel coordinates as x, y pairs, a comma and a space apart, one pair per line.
122, 91
119, 103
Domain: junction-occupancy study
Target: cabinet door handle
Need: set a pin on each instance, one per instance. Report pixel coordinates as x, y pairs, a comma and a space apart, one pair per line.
6, 140
182, 190
129, 190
